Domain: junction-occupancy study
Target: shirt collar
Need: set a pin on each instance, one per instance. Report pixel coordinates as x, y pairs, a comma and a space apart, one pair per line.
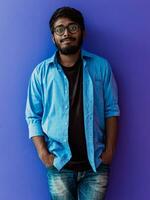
84, 55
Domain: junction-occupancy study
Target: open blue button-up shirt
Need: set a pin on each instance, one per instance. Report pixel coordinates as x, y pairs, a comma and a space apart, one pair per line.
47, 107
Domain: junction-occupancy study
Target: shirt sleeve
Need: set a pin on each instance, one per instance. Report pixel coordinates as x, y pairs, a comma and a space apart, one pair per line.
110, 93
34, 106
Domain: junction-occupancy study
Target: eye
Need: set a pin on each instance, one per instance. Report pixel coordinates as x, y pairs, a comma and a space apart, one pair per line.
59, 30
73, 27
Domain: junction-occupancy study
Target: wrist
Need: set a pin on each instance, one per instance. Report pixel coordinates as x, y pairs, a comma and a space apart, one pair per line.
42, 153
109, 149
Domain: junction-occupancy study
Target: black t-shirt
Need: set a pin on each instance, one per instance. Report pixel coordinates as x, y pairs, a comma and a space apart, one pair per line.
76, 132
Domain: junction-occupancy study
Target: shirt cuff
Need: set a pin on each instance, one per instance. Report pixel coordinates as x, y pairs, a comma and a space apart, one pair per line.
35, 129
112, 114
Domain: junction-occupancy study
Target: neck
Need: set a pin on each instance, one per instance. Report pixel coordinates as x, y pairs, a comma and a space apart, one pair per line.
69, 60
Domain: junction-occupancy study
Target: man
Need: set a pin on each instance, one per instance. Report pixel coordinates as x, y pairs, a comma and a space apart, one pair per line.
71, 111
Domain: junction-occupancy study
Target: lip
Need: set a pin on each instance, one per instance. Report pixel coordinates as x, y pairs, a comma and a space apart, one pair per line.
67, 40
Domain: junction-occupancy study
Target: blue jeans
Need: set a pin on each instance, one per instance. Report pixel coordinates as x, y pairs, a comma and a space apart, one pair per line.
70, 185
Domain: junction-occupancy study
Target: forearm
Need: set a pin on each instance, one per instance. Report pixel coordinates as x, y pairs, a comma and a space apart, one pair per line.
111, 134
40, 144
43, 153
111, 139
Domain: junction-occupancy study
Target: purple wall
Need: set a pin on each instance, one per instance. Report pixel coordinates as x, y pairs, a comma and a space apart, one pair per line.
117, 30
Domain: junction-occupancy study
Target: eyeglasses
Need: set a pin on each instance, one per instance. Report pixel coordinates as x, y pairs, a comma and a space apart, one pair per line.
72, 28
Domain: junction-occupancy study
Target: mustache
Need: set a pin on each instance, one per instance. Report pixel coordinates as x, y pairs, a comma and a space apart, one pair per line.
70, 38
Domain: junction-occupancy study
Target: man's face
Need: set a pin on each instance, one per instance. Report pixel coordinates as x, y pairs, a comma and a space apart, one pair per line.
67, 40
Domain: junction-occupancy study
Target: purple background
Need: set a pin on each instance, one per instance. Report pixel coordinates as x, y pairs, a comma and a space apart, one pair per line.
117, 30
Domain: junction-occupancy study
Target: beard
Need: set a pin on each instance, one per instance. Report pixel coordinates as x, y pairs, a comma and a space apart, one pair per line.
70, 49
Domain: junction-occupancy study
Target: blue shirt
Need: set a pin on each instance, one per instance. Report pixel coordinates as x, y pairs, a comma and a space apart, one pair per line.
47, 106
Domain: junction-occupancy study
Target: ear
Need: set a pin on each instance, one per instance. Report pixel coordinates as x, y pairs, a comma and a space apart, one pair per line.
53, 39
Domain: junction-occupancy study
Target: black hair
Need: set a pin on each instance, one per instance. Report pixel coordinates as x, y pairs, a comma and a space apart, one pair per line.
67, 12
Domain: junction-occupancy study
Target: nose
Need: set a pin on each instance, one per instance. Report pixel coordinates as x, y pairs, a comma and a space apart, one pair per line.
66, 33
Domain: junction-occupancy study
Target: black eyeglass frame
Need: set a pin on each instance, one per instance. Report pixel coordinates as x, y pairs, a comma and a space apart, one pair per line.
67, 27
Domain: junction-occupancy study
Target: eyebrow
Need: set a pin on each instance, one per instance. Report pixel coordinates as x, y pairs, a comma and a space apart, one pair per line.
65, 26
